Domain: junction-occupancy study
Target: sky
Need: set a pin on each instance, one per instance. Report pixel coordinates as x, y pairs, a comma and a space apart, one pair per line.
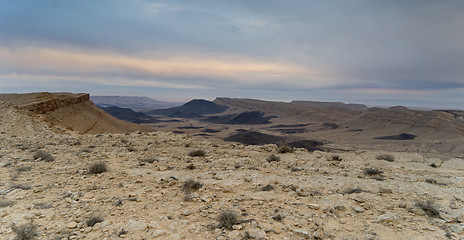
376, 52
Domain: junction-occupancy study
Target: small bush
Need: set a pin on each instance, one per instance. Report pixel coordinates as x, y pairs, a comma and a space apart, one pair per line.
148, 160
285, 149
131, 149
372, 171
336, 158
191, 167
45, 156
98, 168
353, 190
197, 153
21, 186
267, 188
227, 220
24, 169
6, 203
386, 157
278, 217
429, 208
86, 150
273, 158
191, 186
26, 231
94, 220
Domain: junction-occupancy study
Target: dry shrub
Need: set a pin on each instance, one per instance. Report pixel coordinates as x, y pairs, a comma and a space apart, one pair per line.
227, 219
98, 168
44, 156
197, 153
273, 158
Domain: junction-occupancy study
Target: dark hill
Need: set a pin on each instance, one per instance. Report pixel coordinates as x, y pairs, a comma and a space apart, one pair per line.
193, 109
254, 138
245, 118
129, 115
402, 136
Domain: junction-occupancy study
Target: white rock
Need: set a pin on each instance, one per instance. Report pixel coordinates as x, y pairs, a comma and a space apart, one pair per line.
158, 233
72, 224
387, 218
456, 164
457, 228
135, 226
358, 209
234, 234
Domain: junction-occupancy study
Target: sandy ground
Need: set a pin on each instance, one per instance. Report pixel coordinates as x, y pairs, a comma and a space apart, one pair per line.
144, 195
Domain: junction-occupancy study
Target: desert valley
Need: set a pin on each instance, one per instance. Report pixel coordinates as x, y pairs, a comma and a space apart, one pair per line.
227, 169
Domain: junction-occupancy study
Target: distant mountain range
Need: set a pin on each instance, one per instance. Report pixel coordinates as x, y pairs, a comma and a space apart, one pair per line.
139, 104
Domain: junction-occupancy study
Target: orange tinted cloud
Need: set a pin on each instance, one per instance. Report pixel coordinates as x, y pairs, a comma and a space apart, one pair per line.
43, 61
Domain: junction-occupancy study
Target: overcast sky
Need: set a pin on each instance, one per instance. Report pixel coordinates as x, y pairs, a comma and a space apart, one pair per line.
405, 52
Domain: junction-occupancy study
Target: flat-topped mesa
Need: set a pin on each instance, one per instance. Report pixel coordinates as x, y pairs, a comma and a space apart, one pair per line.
43, 102
70, 111
59, 101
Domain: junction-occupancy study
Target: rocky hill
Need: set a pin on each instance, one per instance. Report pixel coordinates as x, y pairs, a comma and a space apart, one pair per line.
129, 115
315, 104
157, 185
196, 108
66, 111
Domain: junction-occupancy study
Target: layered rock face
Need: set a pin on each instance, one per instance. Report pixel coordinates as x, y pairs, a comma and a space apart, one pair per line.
68, 111
47, 105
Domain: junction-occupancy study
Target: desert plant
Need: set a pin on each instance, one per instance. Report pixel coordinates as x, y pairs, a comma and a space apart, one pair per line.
227, 219
86, 150
21, 186
429, 208
24, 169
273, 158
26, 231
98, 168
354, 190
386, 157
267, 188
372, 171
191, 166
197, 153
44, 156
6, 203
94, 220
285, 149
148, 160
336, 158
278, 217
191, 186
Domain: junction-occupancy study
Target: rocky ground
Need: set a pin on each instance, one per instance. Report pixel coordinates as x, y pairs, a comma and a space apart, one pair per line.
157, 187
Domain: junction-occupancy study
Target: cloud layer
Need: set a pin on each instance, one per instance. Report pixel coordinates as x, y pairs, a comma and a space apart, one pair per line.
365, 49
